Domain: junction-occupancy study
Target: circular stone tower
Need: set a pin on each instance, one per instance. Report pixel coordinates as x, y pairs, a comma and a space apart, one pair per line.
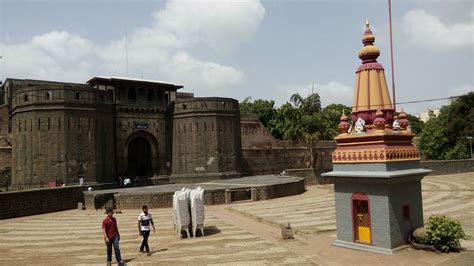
206, 140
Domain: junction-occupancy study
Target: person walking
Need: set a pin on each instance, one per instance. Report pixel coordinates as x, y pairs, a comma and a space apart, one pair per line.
111, 237
144, 221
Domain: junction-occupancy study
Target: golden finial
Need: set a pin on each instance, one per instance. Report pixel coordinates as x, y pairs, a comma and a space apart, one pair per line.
367, 24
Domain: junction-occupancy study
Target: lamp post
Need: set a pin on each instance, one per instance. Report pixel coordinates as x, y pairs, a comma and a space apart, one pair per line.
470, 143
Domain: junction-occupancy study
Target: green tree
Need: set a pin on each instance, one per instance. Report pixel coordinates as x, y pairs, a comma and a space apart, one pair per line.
444, 137
264, 109
416, 124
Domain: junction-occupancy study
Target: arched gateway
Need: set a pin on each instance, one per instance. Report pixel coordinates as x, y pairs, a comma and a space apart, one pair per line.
141, 154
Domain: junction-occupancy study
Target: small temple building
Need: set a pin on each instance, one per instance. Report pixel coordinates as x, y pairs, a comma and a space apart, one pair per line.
376, 173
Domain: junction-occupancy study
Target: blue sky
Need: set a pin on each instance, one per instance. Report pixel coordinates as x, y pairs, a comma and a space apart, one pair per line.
262, 49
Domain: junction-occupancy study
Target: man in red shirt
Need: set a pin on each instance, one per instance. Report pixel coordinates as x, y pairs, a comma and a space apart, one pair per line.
111, 237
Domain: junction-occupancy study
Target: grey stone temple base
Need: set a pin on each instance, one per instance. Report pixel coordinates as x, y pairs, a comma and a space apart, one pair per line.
368, 248
394, 202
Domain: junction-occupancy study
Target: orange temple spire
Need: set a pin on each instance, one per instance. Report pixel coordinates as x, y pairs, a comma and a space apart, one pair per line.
371, 91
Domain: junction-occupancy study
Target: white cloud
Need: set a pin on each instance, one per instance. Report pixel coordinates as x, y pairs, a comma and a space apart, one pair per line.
332, 92
428, 30
222, 26
162, 50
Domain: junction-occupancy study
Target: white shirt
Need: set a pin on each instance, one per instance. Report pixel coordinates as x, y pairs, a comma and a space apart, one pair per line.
144, 221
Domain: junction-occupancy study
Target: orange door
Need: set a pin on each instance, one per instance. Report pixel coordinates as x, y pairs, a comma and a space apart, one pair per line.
362, 221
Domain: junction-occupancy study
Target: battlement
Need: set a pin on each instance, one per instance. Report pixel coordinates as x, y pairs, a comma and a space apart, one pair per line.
54, 93
205, 104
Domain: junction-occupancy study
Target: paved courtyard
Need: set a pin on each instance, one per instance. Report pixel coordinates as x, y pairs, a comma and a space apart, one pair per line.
237, 234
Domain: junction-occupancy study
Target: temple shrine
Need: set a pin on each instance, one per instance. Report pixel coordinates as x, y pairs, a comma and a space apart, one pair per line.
376, 173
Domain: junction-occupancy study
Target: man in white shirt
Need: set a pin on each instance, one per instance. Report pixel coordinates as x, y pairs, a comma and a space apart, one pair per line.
144, 221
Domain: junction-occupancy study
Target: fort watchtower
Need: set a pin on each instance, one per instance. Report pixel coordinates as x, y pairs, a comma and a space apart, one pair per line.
206, 139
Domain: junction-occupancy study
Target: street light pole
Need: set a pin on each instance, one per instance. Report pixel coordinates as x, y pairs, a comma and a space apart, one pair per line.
470, 143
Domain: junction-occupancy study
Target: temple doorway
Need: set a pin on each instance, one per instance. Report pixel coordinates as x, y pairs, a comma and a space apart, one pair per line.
139, 157
361, 218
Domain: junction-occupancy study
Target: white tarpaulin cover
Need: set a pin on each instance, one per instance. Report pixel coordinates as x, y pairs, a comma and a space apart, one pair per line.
197, 206
181, 215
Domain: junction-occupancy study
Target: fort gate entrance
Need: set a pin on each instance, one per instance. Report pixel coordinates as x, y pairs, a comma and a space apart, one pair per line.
141, 154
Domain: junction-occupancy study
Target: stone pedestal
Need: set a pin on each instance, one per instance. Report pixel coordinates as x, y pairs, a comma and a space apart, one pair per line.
392, 192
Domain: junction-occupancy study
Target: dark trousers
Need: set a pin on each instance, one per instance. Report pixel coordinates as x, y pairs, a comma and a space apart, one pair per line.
144, 245
113, 242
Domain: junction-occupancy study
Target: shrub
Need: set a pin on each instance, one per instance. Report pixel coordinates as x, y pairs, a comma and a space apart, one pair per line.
444, 233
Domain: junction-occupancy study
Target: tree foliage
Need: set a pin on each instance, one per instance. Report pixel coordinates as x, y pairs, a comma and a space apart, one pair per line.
299, 119
444, 137
444, 233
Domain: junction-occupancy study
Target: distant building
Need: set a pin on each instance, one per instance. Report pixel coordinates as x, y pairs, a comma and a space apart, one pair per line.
425, 116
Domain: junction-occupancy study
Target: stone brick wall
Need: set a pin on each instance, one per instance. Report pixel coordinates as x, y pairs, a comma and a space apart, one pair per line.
280, 190
313, 176
206, 136
448, 167
57, 133
157, 200
258, 161
38, 201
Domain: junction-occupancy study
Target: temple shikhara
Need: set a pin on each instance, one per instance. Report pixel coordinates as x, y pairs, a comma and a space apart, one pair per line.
376, 174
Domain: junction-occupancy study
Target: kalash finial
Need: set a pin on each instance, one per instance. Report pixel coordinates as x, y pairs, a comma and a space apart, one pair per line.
368, 53
404, 123
343, 124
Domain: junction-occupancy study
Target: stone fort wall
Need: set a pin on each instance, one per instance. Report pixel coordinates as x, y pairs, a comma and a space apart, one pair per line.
206, 137
60, 132
263, 154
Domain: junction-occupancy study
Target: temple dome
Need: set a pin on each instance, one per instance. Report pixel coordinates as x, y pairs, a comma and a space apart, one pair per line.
371, 91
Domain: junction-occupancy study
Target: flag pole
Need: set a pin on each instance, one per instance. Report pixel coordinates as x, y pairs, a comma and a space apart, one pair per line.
391, 54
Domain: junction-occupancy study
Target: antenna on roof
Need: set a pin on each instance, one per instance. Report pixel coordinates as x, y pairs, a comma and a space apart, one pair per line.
126, 44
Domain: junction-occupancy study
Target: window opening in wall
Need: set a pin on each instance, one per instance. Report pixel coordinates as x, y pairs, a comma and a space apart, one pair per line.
39, 124
223, 104
203, 105
26, 98
31, 125
59, 123
205, 126
77, 95
132, 94
49, 95
19, 126
197, 127
49, 123
184, 106
179, 128
406, 213
150, 95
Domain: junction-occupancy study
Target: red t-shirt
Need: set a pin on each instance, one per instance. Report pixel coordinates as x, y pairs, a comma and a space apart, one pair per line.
110, 226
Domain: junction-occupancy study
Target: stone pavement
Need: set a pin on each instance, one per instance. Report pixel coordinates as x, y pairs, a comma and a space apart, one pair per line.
313, 211
74, 237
